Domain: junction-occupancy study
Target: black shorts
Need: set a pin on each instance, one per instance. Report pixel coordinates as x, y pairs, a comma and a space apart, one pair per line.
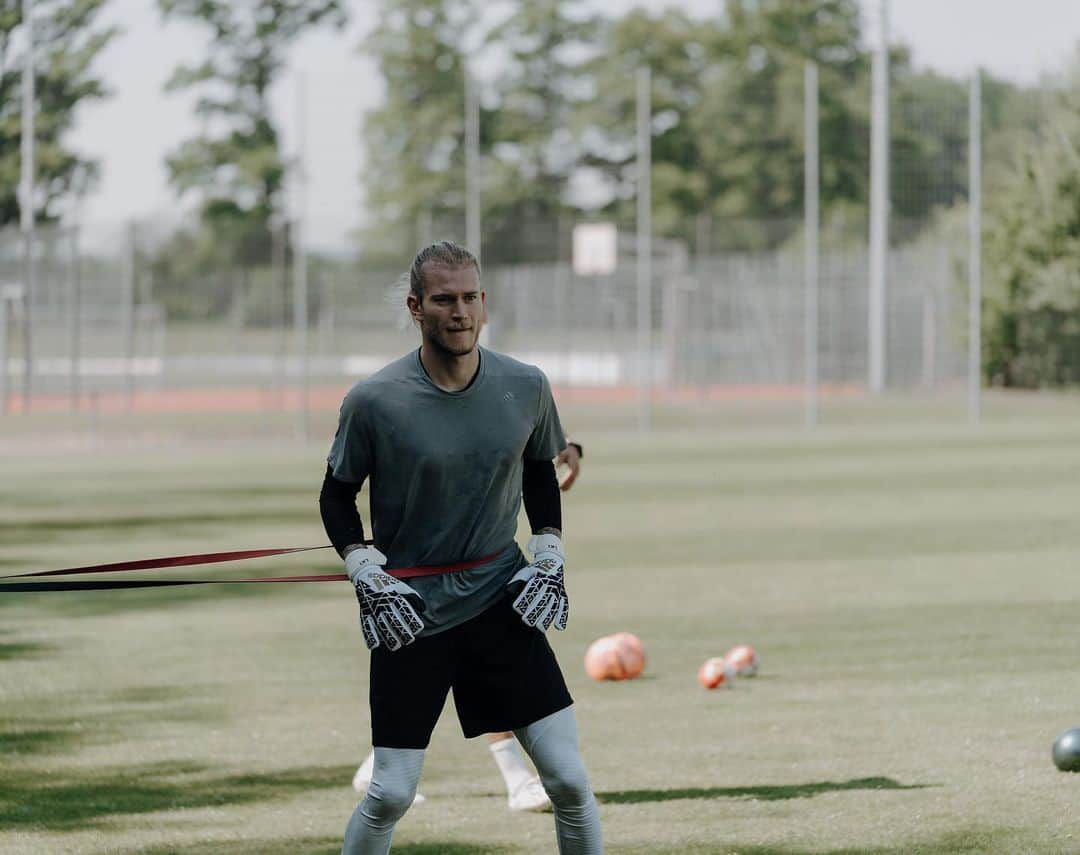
503, 673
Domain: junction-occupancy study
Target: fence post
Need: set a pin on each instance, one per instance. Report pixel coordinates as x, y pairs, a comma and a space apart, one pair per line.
975, 250
812, 229
644, 245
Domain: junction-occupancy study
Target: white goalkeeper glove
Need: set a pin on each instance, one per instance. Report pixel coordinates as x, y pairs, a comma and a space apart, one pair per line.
542, 601
389, 609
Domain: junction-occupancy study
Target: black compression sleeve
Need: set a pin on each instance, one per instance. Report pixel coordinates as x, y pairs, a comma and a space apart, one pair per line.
540, 493
337, 505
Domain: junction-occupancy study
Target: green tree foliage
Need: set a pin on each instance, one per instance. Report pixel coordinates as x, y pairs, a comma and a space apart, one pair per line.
727, 98
67, 39
535, 148
1032, 293
235, 168
414, 170
676, 49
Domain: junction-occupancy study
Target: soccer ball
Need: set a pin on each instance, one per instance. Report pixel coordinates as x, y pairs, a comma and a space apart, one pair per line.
716, 672
744, 660
615, 657
631, 652
1066, 751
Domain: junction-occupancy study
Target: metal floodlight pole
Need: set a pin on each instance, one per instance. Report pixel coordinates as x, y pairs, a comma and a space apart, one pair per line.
26, 203
975, 250
300, 271
644, 244
472, 165
130, 243
3, 351
811, 246
75, 314
879, 207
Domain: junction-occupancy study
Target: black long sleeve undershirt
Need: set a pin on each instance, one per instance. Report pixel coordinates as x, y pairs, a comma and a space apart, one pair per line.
541, 496
341, 519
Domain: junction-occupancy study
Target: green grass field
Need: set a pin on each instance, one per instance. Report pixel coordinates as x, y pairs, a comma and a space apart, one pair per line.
910, 583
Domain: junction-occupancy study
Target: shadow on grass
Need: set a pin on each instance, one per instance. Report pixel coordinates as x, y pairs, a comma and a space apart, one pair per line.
24, 649
85, 798
58, 530
291, 846
976, 841
764, 793
105, 717
314, 846
37, 741
150, 695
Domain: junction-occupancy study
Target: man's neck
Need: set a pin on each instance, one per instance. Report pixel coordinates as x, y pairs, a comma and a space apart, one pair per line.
449, 373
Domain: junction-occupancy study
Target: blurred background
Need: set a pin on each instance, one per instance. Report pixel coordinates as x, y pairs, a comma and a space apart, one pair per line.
793, 209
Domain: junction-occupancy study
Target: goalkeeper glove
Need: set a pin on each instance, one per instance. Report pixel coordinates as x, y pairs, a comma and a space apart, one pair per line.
388, 607
542, 601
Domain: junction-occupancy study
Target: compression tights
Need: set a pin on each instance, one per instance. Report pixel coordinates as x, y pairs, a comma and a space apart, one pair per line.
551, 742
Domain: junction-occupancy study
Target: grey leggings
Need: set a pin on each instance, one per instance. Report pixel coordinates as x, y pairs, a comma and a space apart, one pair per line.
552, 744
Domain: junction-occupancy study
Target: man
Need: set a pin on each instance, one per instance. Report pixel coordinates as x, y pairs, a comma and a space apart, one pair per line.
454, 437
524, 791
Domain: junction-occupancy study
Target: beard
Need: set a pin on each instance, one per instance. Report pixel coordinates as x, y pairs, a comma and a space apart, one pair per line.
454, 344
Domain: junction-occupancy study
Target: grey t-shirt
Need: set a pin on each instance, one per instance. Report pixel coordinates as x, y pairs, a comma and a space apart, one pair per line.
445, 472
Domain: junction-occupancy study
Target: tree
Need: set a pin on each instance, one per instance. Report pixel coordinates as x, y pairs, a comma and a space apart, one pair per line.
534, 147
236, 167
67, 40
727, 103
1031, 314
414, 171
755, 108
675, 48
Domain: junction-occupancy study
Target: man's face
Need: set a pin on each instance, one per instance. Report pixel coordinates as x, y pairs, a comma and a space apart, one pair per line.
452, 311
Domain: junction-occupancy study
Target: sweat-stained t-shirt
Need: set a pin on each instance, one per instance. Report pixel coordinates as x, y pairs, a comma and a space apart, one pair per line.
445, 472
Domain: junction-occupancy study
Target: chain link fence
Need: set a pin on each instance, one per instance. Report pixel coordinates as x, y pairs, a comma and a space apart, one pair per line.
105, 316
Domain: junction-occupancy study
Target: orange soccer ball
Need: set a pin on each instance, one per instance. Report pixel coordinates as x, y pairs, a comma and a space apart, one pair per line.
744, 659
615, 657
716, 672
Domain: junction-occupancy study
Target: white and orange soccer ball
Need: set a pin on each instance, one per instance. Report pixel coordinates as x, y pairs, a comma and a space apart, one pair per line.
744, 659
615, 657
716, 673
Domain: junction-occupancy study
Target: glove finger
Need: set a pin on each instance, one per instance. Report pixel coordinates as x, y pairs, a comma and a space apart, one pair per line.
371, 635
411, 619
539, 614
562, 613
525, 602
402, 625
536, 587
393, 641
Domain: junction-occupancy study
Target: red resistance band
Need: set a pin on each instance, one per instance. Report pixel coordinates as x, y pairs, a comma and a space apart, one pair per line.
439, 569
204, 558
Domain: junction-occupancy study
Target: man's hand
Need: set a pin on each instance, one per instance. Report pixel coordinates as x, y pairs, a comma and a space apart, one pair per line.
542, 601
570, 457
388, 607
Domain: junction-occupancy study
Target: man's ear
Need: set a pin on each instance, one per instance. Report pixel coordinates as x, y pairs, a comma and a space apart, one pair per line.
413, 305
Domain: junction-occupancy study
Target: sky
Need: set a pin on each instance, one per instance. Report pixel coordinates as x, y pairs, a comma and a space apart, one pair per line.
131, 132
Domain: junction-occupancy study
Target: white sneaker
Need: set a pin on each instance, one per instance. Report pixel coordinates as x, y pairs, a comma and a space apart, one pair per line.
362, 780
530, 796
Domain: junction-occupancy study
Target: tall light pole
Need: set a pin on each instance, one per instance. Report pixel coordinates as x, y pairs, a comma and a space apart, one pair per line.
810, 260
644, 244
975, 250
472, 165
26, 201
879, 206
300, 277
